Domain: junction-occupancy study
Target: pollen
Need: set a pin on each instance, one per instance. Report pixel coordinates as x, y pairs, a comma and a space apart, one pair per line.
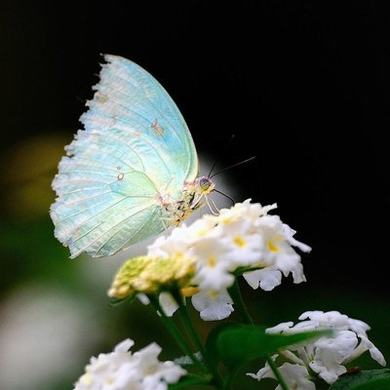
227, 220
178, 254
239, 241
212, 261
189, 291
201, 232
272, 247
213, 294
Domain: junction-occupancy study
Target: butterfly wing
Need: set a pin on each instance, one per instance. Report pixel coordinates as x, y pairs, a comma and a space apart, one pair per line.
135, 146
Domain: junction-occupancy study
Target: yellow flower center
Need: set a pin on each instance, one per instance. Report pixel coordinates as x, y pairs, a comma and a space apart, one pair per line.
272, 247
201, 232
213, 294
239, 241
189, 291
212, 261
178, 255
227, 220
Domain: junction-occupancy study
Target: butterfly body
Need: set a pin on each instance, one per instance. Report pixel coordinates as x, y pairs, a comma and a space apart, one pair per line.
192, 194
131, 172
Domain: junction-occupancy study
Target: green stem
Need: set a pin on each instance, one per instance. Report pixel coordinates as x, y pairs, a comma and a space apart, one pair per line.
173, 330
228, 385
277, 373
185, 317
183, 311
235, 293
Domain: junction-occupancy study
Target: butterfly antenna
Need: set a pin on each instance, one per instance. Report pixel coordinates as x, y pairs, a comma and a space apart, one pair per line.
233, 166
217, 159
227, 196
213, 166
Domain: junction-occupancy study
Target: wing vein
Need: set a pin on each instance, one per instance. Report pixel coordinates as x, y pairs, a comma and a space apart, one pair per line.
134, 234
151, 105
99, 237
144, 140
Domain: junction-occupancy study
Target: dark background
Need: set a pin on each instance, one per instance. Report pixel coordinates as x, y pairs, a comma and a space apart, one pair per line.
303, 85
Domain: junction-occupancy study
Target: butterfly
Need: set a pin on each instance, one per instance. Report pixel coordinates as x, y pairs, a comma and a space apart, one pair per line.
132, 172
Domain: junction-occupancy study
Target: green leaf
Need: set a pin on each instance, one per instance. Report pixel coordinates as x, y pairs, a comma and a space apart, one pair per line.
191, 380
211, 351
364, 380
236, 345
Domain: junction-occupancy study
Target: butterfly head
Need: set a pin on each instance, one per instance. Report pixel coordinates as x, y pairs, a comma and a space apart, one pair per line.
205, 185
202, 186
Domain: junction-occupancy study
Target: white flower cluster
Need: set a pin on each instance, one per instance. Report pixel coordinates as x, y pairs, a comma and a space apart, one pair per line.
122, 370
325, 357
242, 237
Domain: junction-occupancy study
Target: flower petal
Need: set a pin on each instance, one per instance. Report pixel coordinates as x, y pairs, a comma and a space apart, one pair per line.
213, 307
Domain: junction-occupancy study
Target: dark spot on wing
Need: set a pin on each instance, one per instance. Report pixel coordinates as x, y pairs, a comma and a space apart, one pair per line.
157, 128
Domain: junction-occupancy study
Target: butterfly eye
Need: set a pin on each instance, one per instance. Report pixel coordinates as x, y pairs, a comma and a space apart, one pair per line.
204, 183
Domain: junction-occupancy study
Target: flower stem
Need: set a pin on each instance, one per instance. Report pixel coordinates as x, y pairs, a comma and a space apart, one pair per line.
183, 312
185, 317
235, 293
277, 373
173, 330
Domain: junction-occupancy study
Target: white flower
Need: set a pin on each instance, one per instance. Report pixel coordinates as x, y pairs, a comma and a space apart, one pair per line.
166, 300
213, 306
213, 272
267, 278
153, 373
168, 303
122, 370
328, 355
262, 241
241, 237
278, 255
177, 242
232, 216
202, 227
244, 249
296, 376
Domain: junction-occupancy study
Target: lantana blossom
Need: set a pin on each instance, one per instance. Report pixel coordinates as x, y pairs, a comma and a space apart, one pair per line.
213, 307
327, 356
209, 254
242, 237
123, 370
295, 376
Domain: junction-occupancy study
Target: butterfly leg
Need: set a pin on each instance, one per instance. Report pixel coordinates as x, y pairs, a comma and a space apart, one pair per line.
213, 209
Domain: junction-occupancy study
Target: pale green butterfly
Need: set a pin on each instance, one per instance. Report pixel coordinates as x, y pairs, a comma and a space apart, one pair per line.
132, 172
